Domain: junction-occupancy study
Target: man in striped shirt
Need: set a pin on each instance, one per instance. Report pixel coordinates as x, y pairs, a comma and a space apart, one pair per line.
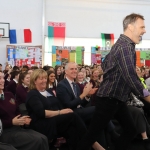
119, 80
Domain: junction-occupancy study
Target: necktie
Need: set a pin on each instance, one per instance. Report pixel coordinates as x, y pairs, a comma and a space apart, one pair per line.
2, 96
74, 88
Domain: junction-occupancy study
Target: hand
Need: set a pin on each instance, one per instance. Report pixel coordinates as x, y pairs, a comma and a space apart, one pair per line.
147, 98
27, 121
87, 89
66, 111
91, 92
19, 120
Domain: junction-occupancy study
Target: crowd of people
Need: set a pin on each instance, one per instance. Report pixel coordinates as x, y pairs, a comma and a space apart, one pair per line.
79, 104
59, 102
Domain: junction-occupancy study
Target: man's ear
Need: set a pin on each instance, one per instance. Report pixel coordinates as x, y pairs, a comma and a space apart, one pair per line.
131, 27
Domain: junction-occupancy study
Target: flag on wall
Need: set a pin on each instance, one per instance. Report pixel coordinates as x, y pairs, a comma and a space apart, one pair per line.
107, 40
56, 32
20, 36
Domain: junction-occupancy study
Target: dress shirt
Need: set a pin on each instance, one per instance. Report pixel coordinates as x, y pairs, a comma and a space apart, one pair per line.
45, 93
15, 81
70, 82
120, 77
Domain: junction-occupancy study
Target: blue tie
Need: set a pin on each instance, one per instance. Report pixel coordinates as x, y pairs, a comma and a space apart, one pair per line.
74, 88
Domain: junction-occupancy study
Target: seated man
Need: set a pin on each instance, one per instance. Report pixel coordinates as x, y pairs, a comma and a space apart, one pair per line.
69, 95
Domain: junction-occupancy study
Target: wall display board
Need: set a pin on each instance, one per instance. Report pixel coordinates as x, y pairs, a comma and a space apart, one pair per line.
143, 57
98, 54
64, 54
24, 55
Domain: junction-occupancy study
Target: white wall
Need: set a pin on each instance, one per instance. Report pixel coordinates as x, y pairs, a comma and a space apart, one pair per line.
21, 14
85, 20
89, 18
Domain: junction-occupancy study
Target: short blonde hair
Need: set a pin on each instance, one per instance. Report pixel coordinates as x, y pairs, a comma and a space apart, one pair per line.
36, 74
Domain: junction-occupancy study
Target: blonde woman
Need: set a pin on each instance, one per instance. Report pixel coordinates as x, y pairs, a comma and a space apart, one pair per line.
47, 116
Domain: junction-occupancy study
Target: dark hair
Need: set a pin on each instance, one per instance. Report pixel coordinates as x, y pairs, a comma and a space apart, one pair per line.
0, 64
58, 77
46, 68
13, 74
21, 77
34, 67
48, 74
15, 68
25, 66
131, 19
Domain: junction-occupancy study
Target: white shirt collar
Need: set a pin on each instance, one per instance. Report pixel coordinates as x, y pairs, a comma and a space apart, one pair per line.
50, 86
24, 85
69, 80
15, 80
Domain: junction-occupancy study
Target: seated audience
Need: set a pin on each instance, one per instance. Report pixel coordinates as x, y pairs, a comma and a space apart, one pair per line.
51, 81
13, 83
95, 80
69, 95
58, 74
21, 139
30, 71
146, 74
80, 81
22, 87
47, 116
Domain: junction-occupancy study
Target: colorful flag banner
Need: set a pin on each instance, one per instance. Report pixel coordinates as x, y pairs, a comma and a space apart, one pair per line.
20, 36
27, 36
12, 37
107, 40
56, 32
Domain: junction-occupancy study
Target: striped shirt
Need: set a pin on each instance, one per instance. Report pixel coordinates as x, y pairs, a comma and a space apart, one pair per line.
120, 76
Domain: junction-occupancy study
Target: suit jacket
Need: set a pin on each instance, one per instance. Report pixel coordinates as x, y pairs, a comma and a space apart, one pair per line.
66, 96
36, 105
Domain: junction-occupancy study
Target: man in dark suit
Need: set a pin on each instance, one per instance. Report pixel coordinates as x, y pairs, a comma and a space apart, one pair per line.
69, 95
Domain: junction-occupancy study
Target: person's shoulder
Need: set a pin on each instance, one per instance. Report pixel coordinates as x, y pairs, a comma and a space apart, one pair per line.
33, 91
19, 86
62, 82
8, 94
12, 82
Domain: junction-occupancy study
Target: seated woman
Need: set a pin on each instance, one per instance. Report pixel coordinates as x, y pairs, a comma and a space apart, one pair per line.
59, 75
51, 81
80, 81
21, 139
13, 83
22, 87
95, 80
47, 116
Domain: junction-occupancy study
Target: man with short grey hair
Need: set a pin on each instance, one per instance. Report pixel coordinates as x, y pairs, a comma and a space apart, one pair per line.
69, 95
